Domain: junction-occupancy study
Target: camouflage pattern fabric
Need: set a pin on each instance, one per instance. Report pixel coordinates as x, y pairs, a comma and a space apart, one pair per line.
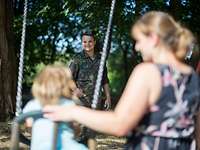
84, 70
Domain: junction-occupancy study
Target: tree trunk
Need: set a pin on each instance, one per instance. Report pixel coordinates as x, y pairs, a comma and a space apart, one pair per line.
7, 62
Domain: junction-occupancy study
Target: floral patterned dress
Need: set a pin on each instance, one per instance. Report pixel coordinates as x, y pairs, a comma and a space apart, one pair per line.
169, 123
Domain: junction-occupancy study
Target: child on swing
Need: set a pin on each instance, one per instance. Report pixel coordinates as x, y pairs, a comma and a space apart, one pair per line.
53, 85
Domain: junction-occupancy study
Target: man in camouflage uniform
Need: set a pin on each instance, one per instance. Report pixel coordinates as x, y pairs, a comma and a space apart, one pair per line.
84, 67
84, 71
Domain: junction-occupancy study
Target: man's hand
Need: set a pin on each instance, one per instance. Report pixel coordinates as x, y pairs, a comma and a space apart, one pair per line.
107, 104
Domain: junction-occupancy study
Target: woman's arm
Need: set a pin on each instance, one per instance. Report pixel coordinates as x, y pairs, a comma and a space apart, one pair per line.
130, 109
133, 104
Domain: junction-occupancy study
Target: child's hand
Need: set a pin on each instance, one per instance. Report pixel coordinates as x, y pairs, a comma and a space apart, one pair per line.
77, 129
78, 92
29, 122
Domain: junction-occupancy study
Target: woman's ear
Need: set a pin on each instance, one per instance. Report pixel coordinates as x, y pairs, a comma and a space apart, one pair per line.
154, 38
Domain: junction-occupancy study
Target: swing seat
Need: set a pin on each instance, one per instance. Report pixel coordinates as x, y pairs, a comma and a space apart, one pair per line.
16, 130
52, 143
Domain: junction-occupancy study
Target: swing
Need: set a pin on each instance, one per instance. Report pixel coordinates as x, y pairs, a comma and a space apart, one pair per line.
16, 136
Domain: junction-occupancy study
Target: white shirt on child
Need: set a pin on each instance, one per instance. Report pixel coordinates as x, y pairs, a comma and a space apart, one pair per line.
42, 130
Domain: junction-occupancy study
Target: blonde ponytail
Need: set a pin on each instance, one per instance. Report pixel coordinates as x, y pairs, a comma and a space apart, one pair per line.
186, 39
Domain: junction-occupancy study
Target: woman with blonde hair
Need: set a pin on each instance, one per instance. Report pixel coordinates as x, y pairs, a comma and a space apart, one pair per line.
158, 106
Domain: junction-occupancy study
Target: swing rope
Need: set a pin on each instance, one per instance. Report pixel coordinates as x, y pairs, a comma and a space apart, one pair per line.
21, 60
21, 63
20, 77
103, 57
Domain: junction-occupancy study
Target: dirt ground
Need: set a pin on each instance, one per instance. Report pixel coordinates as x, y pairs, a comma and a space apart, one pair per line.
104, 142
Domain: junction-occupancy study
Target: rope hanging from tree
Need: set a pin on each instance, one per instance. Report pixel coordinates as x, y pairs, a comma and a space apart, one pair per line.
101, 67
19, 117
21, 63
103, 57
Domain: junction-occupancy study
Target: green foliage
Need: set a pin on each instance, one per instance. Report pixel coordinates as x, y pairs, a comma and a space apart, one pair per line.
53, 31
117, 77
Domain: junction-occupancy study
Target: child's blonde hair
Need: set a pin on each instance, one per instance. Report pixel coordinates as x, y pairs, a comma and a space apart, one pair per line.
53, 82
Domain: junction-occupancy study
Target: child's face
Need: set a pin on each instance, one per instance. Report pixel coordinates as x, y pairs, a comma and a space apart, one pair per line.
88, 43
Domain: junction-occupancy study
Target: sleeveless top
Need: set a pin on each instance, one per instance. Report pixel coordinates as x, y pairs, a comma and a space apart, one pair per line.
172, 116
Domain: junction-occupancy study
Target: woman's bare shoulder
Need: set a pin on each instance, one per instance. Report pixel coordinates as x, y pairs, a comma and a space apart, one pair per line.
150, 77
146, 68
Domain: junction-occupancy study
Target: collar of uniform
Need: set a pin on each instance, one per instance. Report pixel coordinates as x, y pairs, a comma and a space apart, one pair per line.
96, 55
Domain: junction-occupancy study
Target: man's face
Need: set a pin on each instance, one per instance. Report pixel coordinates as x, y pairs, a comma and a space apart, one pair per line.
88, 43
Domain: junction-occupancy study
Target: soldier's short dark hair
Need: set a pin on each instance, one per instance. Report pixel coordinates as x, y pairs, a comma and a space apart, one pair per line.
87, 31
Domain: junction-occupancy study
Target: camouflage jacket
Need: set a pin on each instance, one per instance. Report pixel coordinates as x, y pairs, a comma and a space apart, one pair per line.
84, 70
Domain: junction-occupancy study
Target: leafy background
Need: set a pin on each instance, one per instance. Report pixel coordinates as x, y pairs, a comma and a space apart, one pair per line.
53, 31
